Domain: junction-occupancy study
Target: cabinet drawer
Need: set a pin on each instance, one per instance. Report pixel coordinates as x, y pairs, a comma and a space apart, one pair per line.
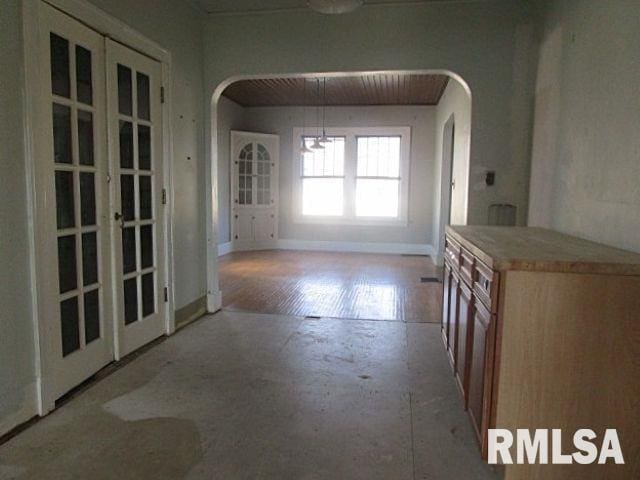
467, 262
485, 286
452, 253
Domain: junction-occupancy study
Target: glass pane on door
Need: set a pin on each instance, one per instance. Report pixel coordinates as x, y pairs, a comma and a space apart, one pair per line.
245, 175
263, 165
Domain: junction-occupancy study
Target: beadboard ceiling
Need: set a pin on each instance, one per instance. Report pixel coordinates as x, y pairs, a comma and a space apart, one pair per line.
378, 89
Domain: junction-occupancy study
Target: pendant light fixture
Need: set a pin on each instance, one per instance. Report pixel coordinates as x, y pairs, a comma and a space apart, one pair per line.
316, 141
304, 149
324, 138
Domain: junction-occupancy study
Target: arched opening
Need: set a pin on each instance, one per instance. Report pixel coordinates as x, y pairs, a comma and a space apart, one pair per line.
431, 212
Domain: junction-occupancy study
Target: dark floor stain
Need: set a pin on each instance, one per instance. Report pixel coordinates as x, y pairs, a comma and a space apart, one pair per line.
105, 447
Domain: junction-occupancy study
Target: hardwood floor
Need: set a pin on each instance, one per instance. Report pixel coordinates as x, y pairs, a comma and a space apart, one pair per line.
328, 284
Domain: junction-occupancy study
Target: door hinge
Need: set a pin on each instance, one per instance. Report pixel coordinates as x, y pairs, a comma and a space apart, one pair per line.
161, 94
166, 294
164, 196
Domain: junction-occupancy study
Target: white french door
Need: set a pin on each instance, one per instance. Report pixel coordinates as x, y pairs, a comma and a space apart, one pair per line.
99, 220
72, 182
135, 139
254, 190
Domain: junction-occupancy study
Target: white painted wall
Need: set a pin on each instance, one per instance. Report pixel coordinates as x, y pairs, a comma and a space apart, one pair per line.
489, 44
176, 26
457, 102
17, 362
230, 117
585, 175
282, 120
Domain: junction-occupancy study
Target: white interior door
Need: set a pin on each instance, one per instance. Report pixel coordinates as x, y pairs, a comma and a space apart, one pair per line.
72, 204
135, 145
254, 190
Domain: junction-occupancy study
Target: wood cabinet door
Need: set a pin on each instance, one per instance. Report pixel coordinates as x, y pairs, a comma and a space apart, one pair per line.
453, 317
446, 303
481, 372
464, 333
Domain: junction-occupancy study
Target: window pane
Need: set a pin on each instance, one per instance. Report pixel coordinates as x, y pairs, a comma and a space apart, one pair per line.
83, 75
128, 249
146, 246
145, 196
127, 197
89, 258
143, 95
65, 212
126, 144
144, 147
130, 300
67, 275
377, 198
87, 198
378, 156
328, 161
60, 84
85, 137
91, 316
69, 326
322, 196
125, 101
61, 134
148, 296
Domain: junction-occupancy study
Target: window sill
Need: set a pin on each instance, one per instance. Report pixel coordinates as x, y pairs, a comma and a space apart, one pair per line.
350, 221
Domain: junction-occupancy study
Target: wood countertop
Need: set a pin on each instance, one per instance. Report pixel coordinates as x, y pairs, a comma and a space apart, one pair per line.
539, 249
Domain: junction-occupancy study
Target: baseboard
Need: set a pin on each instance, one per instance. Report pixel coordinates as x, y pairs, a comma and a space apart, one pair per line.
191, 312
359, 247
214, 301
329, 246
225, 248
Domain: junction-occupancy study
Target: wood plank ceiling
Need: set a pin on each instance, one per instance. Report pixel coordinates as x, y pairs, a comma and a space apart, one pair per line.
378, 89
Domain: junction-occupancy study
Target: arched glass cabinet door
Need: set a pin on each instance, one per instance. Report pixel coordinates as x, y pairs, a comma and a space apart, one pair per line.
245, 175
263, 167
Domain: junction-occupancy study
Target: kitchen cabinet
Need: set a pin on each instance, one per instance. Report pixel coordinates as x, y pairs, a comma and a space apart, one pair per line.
542, 330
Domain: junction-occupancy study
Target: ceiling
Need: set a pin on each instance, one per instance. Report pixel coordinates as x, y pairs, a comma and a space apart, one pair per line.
375, 89
238, 6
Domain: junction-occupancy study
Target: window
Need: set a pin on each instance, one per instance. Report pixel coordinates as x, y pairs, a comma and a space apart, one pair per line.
360, 177
378, 177
323, 178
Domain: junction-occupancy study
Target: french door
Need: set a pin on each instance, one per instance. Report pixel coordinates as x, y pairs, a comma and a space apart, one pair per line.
98, 184
254, 189
73, 169
135, 131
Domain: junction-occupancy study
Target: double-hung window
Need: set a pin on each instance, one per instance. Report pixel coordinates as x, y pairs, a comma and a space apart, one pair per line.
323, 178
360, 177
378, 176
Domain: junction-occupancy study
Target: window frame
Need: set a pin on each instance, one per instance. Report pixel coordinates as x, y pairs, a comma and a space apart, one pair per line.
350, 176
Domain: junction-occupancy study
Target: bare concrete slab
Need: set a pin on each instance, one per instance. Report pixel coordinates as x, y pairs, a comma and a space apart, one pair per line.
238, 396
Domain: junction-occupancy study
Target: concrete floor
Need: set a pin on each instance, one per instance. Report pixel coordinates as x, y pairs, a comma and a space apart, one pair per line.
237, 396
